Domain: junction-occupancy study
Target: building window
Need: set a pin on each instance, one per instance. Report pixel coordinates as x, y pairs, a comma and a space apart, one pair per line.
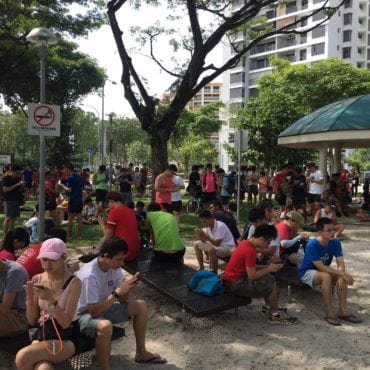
291, 7
318, 16
237, 93
303, 54
318, 32
304, 4
317, 1
347, 19
348, 4
346, 53
318, 49
347, 36
236, 77
270, 14
304, 22
253, 92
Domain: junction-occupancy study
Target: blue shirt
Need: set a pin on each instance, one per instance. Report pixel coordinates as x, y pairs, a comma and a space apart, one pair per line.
76, 184
317, 252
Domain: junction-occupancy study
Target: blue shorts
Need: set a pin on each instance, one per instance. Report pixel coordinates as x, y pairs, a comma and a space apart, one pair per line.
117, 313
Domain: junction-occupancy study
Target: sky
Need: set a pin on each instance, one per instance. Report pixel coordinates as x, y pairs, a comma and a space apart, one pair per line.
101, 46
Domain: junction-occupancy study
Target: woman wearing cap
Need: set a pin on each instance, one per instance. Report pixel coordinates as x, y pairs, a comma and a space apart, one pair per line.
51, 303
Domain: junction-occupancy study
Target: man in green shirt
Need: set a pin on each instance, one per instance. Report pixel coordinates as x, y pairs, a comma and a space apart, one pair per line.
167, 244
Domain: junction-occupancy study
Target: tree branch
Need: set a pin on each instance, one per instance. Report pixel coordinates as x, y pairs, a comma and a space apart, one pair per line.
194, 23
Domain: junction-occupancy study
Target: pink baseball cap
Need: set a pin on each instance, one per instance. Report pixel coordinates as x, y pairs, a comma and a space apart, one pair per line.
52, 249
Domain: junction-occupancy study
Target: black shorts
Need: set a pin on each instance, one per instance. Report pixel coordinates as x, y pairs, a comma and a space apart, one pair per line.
313, 198
225, 199
75, 206
100, 196
12, 208
209, 197
169, 257
50, 204
176, 206
253, 189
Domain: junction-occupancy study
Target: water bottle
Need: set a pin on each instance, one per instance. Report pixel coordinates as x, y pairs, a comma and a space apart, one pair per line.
300, 256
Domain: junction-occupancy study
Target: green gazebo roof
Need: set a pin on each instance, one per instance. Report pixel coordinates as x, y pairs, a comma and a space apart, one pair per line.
346, 121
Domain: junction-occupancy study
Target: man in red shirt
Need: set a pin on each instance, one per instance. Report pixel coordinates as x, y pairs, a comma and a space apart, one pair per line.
242, 278
121, 222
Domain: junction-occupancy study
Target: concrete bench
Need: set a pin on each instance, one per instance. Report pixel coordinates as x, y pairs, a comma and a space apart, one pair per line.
171, 280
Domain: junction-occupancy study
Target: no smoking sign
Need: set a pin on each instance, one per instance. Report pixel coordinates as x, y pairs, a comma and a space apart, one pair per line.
43, 119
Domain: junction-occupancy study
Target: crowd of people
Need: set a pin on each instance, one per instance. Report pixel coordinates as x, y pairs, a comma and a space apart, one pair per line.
61, 301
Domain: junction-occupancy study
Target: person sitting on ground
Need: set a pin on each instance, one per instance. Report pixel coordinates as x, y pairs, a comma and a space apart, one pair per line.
289, 238
328, 210
226, 217
215, 239
105, 301
90, 212
242, 278
315, 271
32, 225
13, 320
121, 222
51, 302
363, 213
165, 236
14, 240
28, 259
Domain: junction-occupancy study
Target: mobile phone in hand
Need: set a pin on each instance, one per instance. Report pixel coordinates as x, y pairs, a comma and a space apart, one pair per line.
39, 286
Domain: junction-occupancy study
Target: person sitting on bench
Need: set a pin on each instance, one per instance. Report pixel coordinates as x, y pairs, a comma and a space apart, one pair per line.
315, 270
13, 320
215, 239
242, 278
165, 236
105, 301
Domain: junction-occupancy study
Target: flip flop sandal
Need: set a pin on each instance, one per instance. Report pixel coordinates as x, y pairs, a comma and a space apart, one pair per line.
350, 318
156, 359
333, 321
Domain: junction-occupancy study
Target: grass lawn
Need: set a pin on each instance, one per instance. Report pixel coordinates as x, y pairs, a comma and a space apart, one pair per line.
91, 234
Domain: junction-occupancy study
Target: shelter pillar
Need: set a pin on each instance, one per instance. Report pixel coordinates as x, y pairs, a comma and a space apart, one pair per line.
337, 157
323, 156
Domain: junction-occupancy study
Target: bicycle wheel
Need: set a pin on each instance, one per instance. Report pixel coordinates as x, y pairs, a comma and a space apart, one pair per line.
192, 206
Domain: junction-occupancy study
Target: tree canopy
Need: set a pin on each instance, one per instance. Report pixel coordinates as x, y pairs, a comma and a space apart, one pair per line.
289, 93
209, 22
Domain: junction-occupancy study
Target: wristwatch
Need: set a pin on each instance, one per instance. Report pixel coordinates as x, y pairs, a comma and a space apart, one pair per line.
115, 294
52, 305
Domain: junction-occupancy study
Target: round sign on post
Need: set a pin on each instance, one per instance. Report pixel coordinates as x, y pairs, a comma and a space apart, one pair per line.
43, 119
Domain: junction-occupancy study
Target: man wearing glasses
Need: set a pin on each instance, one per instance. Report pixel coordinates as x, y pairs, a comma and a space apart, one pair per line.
315, 271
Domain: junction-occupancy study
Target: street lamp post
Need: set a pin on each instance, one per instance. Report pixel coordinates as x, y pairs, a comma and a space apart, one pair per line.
103, 129
110, 115
43, 37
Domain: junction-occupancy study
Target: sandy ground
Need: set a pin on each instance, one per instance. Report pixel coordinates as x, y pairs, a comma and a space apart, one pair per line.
224, 341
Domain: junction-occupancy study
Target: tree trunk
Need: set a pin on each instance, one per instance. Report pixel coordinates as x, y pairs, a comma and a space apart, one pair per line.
159, 154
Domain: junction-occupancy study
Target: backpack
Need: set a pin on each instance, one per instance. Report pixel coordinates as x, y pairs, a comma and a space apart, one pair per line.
231, 185
206, 283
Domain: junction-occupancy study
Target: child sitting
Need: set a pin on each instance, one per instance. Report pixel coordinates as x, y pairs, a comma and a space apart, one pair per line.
32, 225
89, 212
328, 210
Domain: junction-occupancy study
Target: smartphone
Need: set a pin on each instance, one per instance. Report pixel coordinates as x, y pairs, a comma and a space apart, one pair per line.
139, 275
39, 286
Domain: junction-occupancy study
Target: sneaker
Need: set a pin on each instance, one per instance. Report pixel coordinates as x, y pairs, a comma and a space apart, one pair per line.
280, 318
266, 309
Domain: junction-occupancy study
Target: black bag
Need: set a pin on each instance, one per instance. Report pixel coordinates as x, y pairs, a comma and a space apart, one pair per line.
294, 248
49, 332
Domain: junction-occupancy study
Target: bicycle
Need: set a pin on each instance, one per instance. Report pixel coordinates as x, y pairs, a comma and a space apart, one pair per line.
193, 205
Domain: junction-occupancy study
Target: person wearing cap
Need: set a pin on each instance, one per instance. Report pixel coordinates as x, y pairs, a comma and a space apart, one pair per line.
51, 298
315, 270
105, 300
176, 196
287, 231
13, 320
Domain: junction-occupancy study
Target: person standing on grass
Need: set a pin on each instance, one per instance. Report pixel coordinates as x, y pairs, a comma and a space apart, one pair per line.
100, 180
176, 196
74, 189
12, 187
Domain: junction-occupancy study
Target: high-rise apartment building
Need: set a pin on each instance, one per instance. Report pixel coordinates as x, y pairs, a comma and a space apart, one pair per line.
346, 35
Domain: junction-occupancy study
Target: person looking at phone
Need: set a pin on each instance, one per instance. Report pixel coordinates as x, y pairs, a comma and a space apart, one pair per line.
51, 306
242, 278
104, 301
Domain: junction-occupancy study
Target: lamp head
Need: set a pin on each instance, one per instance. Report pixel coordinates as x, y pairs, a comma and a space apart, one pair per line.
42, 36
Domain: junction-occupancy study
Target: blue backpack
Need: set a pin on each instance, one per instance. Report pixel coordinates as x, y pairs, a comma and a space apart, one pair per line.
206, 283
